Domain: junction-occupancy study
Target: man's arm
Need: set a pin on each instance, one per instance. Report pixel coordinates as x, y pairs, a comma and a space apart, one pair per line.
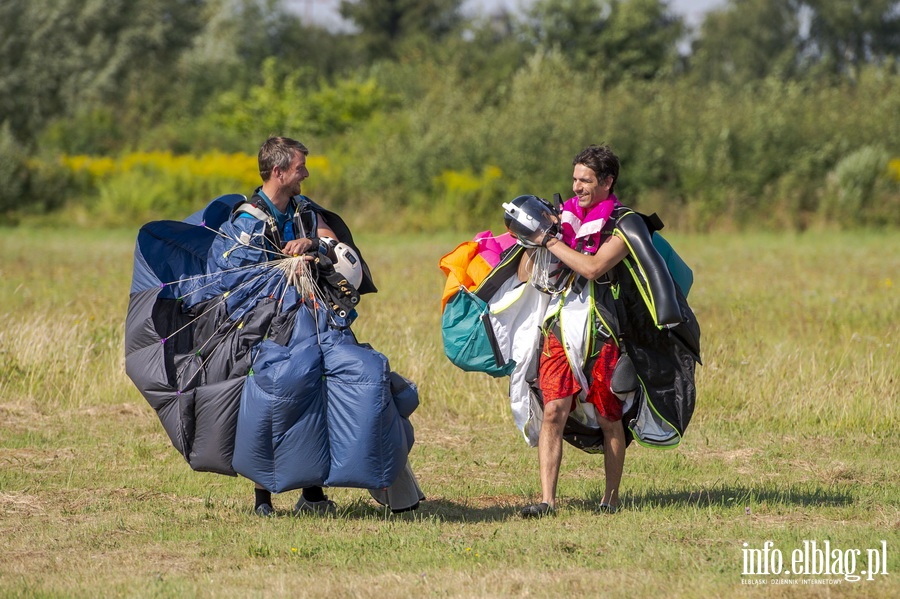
612, 250
298, 247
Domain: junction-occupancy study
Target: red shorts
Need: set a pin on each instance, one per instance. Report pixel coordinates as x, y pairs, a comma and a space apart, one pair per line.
557, 380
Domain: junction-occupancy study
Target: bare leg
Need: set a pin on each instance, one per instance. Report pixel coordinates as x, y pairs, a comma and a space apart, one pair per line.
613, 458
550, 446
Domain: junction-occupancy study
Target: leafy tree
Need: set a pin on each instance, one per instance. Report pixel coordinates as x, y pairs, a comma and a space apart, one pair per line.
384, 24
751, 39
245, 33
13, 174
59, 55
97, 75
481, 58
615, 39
280, 104
642, 40
844, 34
573, 26
748, 40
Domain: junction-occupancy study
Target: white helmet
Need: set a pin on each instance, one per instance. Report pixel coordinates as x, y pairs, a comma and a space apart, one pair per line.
346, 260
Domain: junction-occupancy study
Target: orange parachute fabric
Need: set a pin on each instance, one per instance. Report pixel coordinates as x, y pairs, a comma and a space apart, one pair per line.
471, 261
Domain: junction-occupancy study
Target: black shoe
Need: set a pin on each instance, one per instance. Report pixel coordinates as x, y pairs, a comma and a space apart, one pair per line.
265, 510
406, 509
538, 510
325, 507
606, 508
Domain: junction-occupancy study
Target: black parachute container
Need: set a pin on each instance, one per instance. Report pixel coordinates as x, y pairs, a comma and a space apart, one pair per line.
659, 338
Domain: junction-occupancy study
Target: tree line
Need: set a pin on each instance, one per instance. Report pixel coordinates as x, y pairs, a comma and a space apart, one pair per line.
770, 112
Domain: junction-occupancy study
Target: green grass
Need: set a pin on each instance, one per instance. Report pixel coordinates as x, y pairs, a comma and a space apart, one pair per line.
794, 438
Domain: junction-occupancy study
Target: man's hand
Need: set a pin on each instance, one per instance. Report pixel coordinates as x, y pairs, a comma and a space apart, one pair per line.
298, 247
541, 237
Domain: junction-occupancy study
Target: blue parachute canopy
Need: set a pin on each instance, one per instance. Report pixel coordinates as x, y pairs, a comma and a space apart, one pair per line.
249, 377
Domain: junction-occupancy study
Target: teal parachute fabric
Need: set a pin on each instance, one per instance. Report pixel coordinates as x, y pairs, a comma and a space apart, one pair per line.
469, 338
466, 327
678, 268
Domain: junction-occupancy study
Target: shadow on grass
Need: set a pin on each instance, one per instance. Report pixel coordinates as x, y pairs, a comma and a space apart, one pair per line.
728, 497
723, 497
436, 509
452, 511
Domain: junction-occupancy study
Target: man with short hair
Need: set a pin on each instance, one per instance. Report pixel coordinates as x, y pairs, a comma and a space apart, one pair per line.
588, 249
279, 222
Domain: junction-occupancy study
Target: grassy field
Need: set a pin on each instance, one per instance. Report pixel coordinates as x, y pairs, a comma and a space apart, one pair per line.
794, 441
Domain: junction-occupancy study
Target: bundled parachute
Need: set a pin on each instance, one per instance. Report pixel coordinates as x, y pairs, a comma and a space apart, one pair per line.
493, 323
247, 370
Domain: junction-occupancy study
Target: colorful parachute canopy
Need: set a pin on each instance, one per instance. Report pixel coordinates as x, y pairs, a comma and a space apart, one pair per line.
465, 326
648, 316
471, 261
248, 376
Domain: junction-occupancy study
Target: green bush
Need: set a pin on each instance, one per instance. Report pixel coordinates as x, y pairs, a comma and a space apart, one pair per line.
282, 104
95, 131
405, 141
736, 157
861, 191
13, 171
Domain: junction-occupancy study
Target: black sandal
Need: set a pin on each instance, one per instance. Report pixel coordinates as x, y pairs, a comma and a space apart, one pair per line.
606, 508
538, 510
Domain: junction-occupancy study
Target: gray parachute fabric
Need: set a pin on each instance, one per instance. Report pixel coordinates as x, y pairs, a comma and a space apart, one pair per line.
254, 380
159, 343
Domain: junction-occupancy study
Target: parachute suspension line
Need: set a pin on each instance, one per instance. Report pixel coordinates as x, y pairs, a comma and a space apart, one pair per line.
298, 273
541, 262
304, 282
238, 240
215, 277
205, 361
268, 273
233, 321
279, 255
492, 236
319, 314
269, 328
274, 264
279, 268
276, 253
294, 270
